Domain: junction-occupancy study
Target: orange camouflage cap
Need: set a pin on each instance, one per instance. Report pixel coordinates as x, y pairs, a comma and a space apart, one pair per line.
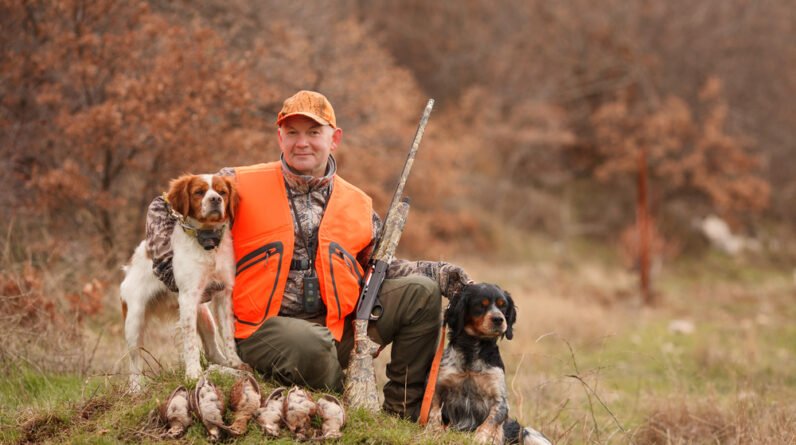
308, 103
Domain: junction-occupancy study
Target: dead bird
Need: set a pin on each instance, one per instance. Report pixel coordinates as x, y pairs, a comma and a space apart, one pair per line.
331, 411
299, 407
207, 404
175, 413
269, 415
244, 401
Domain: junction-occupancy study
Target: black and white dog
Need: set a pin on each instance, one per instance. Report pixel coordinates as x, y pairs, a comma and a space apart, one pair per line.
471, 388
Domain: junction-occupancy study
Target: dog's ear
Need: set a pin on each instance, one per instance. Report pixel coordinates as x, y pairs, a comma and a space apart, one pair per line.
511, 315
233, 198
179, 196
455, 313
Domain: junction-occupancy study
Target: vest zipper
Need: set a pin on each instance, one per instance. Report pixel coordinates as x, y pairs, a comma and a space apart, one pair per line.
348, 259
262, 254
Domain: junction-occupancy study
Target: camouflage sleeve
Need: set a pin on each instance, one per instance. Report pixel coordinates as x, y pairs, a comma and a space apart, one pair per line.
227, 171
159, 227
451, 278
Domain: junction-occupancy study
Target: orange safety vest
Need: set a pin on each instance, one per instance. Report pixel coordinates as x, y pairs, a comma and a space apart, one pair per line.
263, 241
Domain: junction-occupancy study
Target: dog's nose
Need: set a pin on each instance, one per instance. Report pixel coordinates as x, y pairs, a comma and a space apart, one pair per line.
215, 199
497, 320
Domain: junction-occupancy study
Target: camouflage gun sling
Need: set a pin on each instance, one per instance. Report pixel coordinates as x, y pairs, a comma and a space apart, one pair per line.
360, 385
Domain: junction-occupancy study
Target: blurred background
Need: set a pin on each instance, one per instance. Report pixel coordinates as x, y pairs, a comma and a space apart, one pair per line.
562, 131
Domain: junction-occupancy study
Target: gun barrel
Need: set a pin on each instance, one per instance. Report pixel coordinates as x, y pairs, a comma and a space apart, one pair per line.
410, 158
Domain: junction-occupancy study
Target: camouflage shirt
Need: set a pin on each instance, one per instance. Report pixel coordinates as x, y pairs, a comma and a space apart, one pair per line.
309, 195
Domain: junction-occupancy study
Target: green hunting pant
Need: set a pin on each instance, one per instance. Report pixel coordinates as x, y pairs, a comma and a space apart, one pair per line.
303, 352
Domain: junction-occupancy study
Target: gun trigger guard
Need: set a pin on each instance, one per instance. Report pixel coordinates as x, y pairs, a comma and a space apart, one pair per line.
377, 311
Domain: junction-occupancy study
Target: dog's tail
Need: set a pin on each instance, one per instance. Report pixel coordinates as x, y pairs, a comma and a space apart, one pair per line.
514, 433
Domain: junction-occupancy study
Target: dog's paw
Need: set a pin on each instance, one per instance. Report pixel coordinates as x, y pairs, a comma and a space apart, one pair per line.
244, 367
489, 435
134, 384
532, 437
435, 426
236, 372
193, 372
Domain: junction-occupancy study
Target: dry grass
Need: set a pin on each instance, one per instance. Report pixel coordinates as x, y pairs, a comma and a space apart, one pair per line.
588, 363
690, 420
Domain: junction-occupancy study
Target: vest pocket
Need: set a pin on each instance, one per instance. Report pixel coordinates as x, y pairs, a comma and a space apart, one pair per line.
261, 281
347, 269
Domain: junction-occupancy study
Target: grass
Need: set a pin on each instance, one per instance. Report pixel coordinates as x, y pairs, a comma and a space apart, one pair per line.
59, 412
589, 364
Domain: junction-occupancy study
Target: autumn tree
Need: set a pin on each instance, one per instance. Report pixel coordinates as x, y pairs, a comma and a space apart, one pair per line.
107, 100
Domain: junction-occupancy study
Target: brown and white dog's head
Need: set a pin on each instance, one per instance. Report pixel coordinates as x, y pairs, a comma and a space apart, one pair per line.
208, 199
483, 311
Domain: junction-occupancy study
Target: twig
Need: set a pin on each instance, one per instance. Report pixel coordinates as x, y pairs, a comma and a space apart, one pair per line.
590, 392
544, 335
87, 365
558, 412
149, 365
588, 395
608, 410
518, 394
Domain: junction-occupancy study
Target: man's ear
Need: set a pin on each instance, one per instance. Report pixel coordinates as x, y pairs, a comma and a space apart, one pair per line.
179, 194
233, 198
511, 316
337, 138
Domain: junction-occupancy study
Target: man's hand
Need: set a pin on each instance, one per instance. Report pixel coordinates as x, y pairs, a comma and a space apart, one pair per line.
450, 277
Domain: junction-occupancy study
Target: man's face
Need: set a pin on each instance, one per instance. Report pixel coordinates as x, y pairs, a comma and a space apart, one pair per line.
306, 144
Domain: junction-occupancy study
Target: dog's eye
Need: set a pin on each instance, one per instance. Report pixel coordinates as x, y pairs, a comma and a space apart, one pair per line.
485, 302
500, 303
199, 192
223, 193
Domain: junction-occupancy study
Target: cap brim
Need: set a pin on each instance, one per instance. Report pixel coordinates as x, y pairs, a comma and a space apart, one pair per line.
314, 117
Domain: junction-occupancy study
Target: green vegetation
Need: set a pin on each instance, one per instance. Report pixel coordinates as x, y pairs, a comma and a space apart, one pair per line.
48, 409
713, 361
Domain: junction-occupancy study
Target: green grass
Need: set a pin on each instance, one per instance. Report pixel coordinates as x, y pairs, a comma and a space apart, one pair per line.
51, 409
626, 379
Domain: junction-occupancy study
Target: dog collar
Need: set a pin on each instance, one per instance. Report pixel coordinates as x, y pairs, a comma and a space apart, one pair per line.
209, 239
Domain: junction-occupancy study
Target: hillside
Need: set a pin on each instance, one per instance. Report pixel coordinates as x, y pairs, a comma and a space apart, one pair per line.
712, 362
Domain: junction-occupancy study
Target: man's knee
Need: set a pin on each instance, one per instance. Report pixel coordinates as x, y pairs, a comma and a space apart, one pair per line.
295, 352
425, 290
315, 364
426, 294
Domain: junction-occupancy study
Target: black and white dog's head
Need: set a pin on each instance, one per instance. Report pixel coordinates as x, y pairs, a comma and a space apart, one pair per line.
483, 311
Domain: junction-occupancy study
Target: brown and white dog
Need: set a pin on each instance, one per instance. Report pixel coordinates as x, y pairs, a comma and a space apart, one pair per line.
204, 272
471, 388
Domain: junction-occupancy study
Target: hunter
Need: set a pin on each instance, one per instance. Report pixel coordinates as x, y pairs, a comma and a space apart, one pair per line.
313, 233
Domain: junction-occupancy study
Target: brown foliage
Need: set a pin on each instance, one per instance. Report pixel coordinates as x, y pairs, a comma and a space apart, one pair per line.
107, 97
558, 91
105, 101
22, 302
689, 153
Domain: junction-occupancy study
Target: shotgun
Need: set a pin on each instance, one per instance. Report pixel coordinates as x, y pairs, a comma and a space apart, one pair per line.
360, 385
